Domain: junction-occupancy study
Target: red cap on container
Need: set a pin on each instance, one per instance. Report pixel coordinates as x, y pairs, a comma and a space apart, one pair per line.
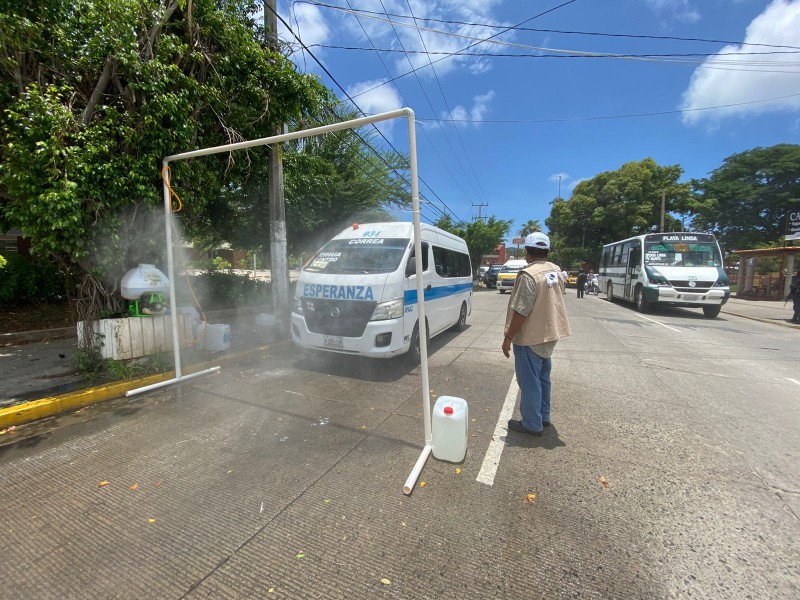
448, 410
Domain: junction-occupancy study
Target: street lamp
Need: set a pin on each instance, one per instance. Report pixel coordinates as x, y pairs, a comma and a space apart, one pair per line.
559, 186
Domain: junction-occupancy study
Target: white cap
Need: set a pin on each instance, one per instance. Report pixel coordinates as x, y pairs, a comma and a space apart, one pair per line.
537, 240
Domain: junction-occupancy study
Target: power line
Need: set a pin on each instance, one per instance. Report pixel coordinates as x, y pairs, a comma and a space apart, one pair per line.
624, 116
449, 111
404, 100
561, 31
328, 73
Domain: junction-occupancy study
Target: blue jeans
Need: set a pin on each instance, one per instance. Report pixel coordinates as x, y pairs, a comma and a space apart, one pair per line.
533, 376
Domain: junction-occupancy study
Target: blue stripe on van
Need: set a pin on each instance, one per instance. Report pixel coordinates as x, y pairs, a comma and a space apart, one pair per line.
442, 291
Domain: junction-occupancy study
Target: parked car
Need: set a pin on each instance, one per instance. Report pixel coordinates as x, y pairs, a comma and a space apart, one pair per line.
572, 279
490, 277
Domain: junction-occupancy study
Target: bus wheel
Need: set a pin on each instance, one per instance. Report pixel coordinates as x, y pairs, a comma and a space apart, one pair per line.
502, 291
610, 292
461, 324
712, 311
642, 303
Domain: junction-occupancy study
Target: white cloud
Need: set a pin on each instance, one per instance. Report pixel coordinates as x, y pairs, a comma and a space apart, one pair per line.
778, 24
378, 100
681, 10
461, 115
310, 25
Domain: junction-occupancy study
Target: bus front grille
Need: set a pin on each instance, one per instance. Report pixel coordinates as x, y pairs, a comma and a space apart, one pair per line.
337, 317
698, 287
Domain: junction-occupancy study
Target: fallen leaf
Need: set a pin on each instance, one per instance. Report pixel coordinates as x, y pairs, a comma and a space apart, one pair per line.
385, 581
604, 481
102, 484
363, 427
158, 483
327, 501
231, 471
270, 590
403, 523
531, 497
422, 484
300, 555
151, 520
458, 471
134, 486
372, 408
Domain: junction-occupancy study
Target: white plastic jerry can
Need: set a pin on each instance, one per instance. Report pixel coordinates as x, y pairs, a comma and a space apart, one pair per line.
449, 428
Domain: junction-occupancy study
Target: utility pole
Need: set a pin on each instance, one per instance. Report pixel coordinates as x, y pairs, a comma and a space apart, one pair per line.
663, 204
279, 263
559, 186
479, 217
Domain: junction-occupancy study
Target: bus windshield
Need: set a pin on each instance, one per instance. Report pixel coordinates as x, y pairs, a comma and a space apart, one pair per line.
359, 255
681, 254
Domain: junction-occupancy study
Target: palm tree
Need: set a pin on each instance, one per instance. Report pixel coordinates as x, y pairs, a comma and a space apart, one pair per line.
530, 227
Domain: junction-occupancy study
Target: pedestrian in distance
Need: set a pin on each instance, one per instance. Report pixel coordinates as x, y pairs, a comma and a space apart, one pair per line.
581, 283
536, 319
565, 276
794, 294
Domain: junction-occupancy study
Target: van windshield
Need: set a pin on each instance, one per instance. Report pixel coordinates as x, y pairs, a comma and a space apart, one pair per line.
668, 254
359, 255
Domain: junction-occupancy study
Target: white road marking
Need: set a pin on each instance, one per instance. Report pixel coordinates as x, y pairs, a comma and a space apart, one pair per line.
793, 380
492, 459
659, 323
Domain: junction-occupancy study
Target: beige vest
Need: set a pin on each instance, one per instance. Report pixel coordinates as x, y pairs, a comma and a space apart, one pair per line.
547, 322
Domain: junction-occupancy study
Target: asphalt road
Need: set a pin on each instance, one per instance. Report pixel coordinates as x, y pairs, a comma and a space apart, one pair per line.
671, 471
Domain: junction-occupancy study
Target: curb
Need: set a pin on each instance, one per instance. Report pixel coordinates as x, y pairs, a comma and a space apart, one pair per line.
770, 321
34, 410
37, 335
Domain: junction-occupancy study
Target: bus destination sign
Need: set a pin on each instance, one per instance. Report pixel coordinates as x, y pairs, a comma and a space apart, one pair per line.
680, 237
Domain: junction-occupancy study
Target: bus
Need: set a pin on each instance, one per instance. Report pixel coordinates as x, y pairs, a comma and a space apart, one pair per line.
675, 269
358, 294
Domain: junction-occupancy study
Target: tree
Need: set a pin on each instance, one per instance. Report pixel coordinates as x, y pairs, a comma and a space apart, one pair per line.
745, 201
614, 205
529, 227
482, 236
94, 94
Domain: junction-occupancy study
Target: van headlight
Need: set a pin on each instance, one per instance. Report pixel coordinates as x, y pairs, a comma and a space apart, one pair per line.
298, 306
388, 310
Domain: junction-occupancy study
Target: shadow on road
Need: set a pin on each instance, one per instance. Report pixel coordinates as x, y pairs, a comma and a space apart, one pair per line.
549, 441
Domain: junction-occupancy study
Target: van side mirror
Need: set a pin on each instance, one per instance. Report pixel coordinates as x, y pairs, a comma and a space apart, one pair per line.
411, 267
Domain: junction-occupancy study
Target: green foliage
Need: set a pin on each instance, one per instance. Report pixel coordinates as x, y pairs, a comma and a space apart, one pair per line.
218, 290
26, 280
745, 201
482, 237
219, 264
614, 205
93, 95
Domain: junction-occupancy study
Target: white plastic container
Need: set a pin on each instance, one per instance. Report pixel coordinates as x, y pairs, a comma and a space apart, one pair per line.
449, 427
143, 279
217, 337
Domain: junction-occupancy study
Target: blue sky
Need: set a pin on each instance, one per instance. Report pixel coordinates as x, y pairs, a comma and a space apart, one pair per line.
500, 131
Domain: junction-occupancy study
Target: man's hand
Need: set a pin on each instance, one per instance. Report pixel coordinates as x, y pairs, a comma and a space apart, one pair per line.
507, 347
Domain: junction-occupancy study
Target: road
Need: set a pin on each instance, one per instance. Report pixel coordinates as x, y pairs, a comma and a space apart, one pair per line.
283, 478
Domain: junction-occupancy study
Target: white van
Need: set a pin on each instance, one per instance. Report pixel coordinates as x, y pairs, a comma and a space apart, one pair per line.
358, 295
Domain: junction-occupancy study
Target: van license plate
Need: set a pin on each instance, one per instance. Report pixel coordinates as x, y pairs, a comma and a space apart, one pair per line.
333, 341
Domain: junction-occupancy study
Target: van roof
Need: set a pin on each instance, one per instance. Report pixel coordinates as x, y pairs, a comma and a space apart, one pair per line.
397, 229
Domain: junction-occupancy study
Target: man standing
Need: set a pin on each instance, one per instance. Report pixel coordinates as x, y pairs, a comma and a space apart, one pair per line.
581, 283
535, 320
565, 275
794, 294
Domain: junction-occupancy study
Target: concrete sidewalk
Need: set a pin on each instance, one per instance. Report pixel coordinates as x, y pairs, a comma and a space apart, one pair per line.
768, 311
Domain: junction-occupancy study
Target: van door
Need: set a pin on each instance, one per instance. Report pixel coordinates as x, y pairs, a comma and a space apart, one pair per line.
634, 267
411, 309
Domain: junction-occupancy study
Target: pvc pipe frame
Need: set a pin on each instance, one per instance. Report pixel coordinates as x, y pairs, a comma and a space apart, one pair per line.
161, 384
296, 135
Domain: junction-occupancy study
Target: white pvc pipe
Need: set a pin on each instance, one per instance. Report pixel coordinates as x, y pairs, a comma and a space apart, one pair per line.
423, 325
173, 302
412, 478
161, 384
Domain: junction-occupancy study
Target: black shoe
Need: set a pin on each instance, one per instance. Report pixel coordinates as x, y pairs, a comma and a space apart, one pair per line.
546, 423
517, 426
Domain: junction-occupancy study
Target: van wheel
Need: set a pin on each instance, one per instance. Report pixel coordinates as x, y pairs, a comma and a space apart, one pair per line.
414, 356
642, 303
461, 324
610, 292
712, 311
